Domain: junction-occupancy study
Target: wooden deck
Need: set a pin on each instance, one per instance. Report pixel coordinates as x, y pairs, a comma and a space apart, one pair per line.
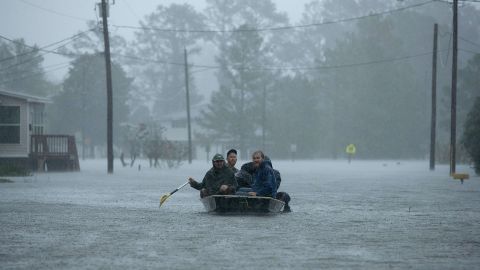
54, 153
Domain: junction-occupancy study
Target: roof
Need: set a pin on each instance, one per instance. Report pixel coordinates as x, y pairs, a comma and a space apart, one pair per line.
27, 97
182, 114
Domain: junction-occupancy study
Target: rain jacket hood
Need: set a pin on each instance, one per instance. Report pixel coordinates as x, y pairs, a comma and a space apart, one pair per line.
264, 180
214, 178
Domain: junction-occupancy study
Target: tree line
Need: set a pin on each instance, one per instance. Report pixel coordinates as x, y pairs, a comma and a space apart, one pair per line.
347, 72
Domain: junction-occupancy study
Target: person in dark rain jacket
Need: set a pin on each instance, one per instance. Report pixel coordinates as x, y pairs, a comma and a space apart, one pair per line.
245, 178
245, 175
264, 183
218, 180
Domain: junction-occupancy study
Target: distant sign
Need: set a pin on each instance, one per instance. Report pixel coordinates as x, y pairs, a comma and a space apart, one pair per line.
293, 148
351, 149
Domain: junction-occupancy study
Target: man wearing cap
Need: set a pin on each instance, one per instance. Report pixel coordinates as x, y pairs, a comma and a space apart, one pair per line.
218, 180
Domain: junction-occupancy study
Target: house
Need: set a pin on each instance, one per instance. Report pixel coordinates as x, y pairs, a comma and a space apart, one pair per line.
22, 139
176, 130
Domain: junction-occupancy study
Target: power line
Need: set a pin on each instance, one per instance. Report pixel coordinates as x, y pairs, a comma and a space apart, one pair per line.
469, 41
287, 67
161, 61
460, 37
54, 12
36, 57
351, 64
449, 43
287, 27
205, 68
29, 75
131, 10
34, 48
468, 51
69, 39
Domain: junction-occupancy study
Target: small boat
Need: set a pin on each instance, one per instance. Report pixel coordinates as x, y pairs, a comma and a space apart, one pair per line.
242, 204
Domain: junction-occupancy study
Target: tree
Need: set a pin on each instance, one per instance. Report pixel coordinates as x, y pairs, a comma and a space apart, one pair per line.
468, 89
239, 102
21, 69
295, 117
91, 42
242, 55
80, 107
344, 94
376, 106
228, 15
471, 134
419, 41
469, 101
159, 68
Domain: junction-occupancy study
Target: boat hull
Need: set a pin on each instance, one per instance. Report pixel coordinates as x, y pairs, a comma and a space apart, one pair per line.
242, 204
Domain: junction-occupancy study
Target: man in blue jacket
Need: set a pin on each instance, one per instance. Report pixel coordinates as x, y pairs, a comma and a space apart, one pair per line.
246, 177
264, 183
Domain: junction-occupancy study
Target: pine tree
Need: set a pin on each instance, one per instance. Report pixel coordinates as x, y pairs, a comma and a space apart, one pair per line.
471, 134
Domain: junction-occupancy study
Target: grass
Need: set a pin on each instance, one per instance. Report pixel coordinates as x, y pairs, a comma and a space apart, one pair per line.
12, 170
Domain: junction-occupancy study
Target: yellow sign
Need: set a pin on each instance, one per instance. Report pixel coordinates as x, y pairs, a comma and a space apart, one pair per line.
351, 149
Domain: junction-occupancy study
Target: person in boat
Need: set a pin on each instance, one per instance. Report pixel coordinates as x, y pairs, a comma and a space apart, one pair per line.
282, 196
285, 197
245, 175
232, 160
219, 180
264, 183
245, 179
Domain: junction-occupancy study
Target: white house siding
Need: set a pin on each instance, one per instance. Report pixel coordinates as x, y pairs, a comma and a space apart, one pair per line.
21, 149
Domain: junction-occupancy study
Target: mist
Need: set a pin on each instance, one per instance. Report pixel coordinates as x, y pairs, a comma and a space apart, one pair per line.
299, 86
341, 97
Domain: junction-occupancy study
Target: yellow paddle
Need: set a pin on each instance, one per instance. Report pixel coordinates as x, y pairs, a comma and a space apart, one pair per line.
166, 196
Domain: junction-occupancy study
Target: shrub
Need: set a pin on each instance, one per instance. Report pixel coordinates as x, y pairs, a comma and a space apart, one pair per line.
12, 170
471, 135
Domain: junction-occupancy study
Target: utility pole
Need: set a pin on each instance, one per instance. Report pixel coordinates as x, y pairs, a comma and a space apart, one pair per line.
109, 88
188, 109
453, 107
264, 116
433, 123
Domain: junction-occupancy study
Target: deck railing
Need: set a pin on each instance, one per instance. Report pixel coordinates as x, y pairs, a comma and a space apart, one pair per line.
60, 148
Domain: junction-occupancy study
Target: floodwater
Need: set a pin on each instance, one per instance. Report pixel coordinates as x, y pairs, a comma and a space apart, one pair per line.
363, 215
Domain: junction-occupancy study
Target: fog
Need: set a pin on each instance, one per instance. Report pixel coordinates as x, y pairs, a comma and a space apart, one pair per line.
338, 94
299, 80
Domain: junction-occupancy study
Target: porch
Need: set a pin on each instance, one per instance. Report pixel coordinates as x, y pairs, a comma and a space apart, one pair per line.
54, 153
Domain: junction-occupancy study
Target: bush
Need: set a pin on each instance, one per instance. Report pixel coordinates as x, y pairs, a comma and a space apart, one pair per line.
471, 135
12, 170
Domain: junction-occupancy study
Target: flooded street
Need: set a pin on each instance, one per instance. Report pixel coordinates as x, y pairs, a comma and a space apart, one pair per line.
363, 215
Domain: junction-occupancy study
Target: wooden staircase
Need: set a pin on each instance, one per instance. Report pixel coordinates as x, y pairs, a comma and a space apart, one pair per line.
54, 153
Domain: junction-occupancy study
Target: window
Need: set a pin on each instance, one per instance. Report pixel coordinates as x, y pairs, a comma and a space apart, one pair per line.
9, 124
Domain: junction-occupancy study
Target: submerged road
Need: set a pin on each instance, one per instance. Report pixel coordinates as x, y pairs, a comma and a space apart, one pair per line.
363, 215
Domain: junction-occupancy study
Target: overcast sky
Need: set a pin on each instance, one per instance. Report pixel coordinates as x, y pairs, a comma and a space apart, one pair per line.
43, 22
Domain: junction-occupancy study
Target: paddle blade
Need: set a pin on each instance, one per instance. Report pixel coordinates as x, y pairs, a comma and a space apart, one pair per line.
164, 198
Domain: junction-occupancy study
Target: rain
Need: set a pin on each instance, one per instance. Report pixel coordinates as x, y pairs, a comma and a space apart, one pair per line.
366, 113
